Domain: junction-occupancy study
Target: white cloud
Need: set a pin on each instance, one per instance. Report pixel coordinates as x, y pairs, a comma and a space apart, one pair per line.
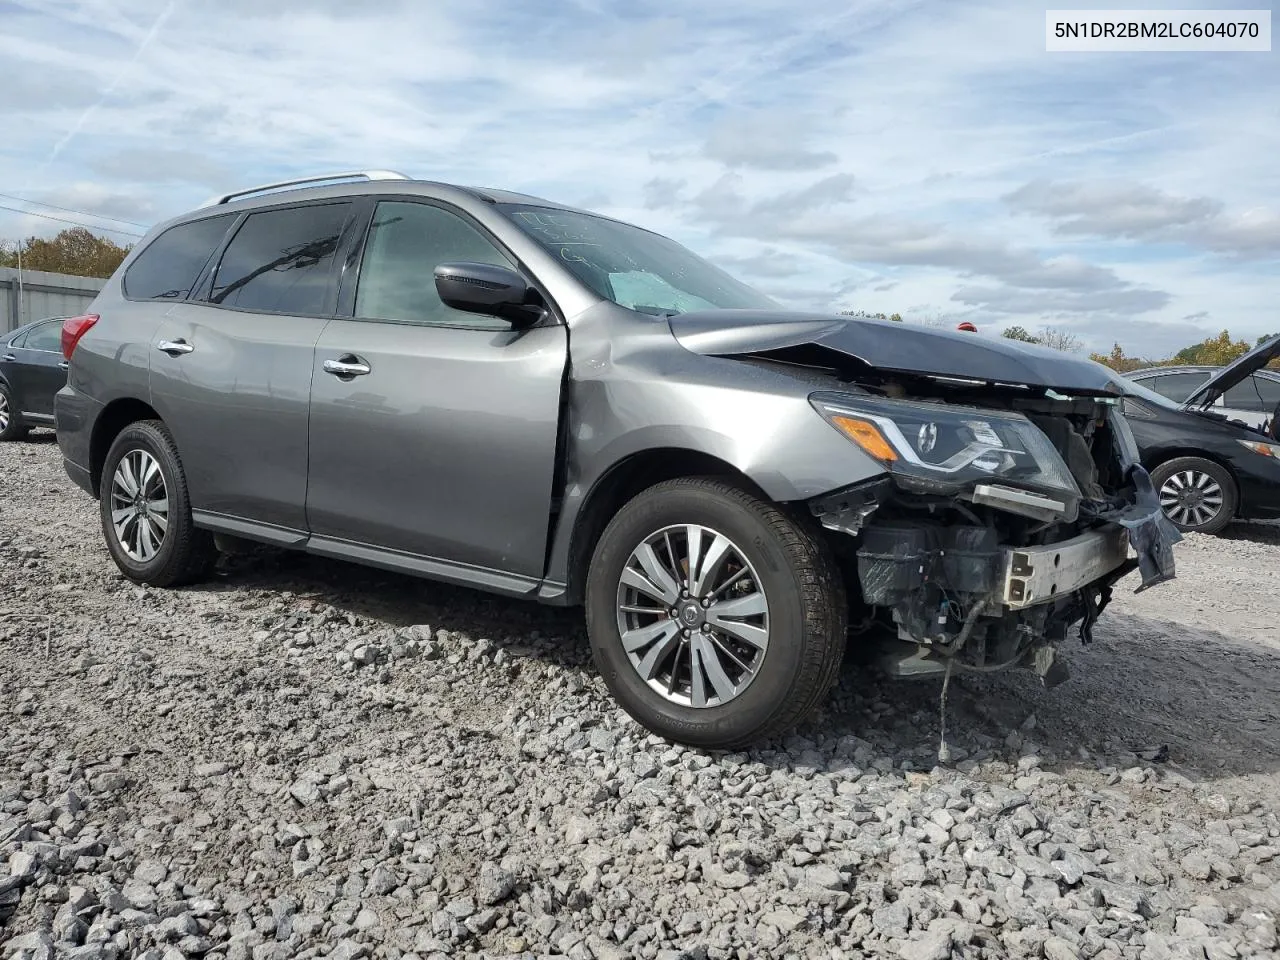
850, 153
1118, 209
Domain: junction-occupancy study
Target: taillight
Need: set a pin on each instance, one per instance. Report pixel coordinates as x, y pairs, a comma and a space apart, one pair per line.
73, 328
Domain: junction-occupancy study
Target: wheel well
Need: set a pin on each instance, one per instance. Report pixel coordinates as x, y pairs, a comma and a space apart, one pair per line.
117, 415
625, 480
1164, 456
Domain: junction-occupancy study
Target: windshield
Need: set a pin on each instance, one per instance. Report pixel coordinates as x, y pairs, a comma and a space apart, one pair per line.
632, 267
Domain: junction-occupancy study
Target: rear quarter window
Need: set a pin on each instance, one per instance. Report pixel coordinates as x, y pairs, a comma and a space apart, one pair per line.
170, 264
46, 336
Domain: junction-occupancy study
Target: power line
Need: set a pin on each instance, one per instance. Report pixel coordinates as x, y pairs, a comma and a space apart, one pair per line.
81, 213
76, 223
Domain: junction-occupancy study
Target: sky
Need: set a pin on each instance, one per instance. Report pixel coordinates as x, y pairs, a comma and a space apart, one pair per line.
925, 158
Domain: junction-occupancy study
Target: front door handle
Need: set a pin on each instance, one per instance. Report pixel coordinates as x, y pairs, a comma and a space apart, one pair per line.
347, 366
63, 364
8, 356
174, 348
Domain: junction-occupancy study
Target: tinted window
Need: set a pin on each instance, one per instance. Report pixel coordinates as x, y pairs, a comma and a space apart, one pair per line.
19, 340
168, 267
282, 260
1255, 393
45, 336
1176, 386
406, 243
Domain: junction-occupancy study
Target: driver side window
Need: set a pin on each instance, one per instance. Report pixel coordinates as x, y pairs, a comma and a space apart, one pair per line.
397, 274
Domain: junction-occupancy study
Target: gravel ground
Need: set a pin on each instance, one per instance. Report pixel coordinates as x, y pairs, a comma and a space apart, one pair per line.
305, 758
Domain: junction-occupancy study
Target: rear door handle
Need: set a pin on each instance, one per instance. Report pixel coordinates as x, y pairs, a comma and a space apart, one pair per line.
174, 348
348, 365
63, 364
8, 356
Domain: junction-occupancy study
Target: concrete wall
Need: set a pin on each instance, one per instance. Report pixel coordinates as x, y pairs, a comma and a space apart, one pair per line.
43, 295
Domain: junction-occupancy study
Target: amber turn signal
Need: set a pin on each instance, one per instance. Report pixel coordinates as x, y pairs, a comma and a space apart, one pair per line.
866, 435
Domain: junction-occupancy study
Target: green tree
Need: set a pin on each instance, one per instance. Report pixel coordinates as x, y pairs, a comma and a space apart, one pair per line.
1213, 352
75, 250
1020, 333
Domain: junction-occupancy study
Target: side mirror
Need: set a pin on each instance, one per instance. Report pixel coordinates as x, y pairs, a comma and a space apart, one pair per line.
1274, 429
489, 289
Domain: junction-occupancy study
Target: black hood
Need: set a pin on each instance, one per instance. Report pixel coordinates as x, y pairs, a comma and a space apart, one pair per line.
895, 347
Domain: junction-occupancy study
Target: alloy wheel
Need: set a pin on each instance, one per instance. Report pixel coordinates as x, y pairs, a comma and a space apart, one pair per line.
1191, 498
139, 505
4, 413
693, 615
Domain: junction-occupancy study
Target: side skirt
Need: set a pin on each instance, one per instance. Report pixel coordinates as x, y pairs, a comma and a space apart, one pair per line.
430, 568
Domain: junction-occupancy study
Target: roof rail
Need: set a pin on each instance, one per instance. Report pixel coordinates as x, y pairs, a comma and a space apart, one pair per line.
300, 181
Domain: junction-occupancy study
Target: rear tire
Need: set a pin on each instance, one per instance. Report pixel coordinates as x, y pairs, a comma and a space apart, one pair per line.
12, 426
146, 512
748, 663
1198, 495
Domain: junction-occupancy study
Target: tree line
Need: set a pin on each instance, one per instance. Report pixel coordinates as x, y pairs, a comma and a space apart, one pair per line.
75, 251
1211, 352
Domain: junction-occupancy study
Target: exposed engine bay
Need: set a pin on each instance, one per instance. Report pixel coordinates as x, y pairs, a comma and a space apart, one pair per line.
1007, 516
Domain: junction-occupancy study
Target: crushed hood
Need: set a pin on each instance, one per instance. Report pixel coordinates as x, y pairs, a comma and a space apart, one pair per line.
894, 347
1234, 373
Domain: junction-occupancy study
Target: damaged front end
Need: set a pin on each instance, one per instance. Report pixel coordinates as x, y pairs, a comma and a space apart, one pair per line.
1006, 517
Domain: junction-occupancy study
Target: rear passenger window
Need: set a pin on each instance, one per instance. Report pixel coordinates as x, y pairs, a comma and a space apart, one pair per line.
406, 243
281, 261
45, 336
169, 265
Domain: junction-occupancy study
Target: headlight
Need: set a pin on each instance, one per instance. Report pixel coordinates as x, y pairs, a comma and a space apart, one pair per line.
946, 448
1257, 446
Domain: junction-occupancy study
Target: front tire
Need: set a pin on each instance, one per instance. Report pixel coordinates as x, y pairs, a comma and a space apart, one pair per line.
146, 512
1197, 495
715, 619
11, 424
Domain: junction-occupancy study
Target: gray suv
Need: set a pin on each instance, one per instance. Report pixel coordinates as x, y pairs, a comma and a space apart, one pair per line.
489, 389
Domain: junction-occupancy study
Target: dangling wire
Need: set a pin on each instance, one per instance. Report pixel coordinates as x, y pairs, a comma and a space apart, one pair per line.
944, 752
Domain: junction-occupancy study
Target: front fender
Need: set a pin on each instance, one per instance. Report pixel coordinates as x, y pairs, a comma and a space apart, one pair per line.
761, 425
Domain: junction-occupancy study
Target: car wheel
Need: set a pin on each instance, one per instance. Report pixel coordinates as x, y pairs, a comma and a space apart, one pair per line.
146, 513
715, 619
1198, 495
11, 425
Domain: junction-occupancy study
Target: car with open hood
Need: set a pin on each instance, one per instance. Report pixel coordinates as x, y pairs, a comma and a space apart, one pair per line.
1251, 399
489, 389
1209, 465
